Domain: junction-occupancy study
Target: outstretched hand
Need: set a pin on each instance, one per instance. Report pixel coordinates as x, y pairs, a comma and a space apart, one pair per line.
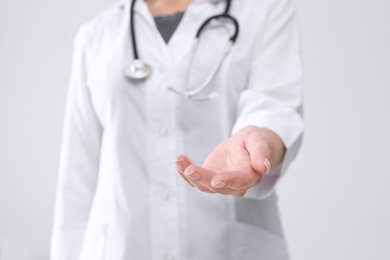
235, 165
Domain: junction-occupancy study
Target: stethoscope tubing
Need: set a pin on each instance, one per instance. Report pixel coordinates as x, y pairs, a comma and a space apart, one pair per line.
139, 70
214, 71
132, 31
233, 38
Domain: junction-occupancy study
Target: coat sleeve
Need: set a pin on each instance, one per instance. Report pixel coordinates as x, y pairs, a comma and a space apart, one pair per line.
273, 98
79, 161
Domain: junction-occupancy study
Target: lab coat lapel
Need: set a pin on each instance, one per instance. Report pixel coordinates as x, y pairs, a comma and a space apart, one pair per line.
184, 36
182, 41
151, 47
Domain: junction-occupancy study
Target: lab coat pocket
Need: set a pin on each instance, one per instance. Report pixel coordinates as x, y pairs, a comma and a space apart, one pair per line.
255, 243
258, 230
95, 243
262, 214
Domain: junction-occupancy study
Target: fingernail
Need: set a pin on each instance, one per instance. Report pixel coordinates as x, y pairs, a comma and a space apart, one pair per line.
219, 184
193, 175
182, 164
268, 165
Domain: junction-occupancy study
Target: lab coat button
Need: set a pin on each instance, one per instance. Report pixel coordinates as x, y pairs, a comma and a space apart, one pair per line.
166, 193
163, 131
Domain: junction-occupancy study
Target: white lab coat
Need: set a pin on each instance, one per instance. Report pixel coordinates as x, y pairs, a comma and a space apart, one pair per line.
119, 195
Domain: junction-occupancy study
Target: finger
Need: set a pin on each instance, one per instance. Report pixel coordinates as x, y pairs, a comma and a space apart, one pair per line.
203, 178
201, 187
200, 177
240, 193
182, 163
181, 173
259, 152
235, 180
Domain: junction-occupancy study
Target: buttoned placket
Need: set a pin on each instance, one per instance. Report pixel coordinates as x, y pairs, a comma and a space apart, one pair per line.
165, 229
163, 129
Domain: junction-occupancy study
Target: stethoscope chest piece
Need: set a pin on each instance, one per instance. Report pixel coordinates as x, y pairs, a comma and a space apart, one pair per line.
137, 69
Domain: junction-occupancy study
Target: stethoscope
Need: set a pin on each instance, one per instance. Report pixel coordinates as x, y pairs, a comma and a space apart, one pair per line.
139, 70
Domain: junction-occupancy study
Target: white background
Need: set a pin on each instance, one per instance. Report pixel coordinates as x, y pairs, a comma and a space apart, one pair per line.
335, 199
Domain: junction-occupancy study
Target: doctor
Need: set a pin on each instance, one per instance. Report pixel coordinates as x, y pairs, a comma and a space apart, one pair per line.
177, 130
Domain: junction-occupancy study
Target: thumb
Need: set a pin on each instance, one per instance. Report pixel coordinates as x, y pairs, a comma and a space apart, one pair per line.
259, 152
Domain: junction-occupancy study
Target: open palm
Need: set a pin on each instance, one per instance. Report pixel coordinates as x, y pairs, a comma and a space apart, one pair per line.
233, 167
